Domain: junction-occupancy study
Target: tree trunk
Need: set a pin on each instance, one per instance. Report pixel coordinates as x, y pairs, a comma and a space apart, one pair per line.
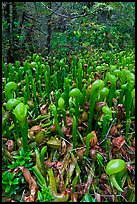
9, 54
49, 31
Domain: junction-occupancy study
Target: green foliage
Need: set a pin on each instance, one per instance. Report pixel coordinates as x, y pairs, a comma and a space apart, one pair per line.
45, 195
23, 159
9, 184
88, 198
108, 25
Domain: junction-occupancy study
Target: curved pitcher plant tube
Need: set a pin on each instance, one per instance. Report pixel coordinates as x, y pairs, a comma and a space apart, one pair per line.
20, 113
80, 74
47, 81
113, 80
106, 119
88, 139
124, 73
57, 95
103, 94
127, 88
39, 176
96, 86
74, 131
84, 97
66, 92
58, 197
54, 110
99, 69
61, 103
10, 89
116, 167
76, 93
133, 103
128, 95
12, 103
42, 156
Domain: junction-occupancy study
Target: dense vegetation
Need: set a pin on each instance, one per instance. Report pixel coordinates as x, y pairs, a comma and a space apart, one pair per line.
68, 102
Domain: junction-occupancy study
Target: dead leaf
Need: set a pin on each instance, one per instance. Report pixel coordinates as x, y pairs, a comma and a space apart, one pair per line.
69, 121
6, 199
94, 139
130, 167
59, 164
49, 164
35, 129
99, 106
64, 130
114, 131
64, 146
132, 149
87, 105
13, 200
80, 153
118, 142
124, 153
10, 145
130, 184
97, 197
133, 142
89, 87
74, 197
62, 184
32, 185
44, 109
104, 176
120, 112
107, 188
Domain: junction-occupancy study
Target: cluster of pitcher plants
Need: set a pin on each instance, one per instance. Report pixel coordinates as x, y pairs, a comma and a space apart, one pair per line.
68, 128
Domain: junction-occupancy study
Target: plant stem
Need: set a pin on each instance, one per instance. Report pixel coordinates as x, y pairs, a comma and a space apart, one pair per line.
24, 133
74, 131
38, 161
91, 111
27, 86
66, 92
88, 138
16, 126
43, 151
35, 99
53, 108
39, 176
80, 75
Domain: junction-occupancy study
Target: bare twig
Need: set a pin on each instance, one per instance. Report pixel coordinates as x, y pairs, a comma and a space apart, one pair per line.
70, 17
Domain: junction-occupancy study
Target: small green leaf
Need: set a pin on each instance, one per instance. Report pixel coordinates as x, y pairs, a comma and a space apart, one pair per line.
75, 92
20, 112
10, 183
107, 112
100, 159
88, 138
7, 189
9, 89
111, 45
40, 197
115, 166
88, 198
22, 163
15, 181
61, 103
